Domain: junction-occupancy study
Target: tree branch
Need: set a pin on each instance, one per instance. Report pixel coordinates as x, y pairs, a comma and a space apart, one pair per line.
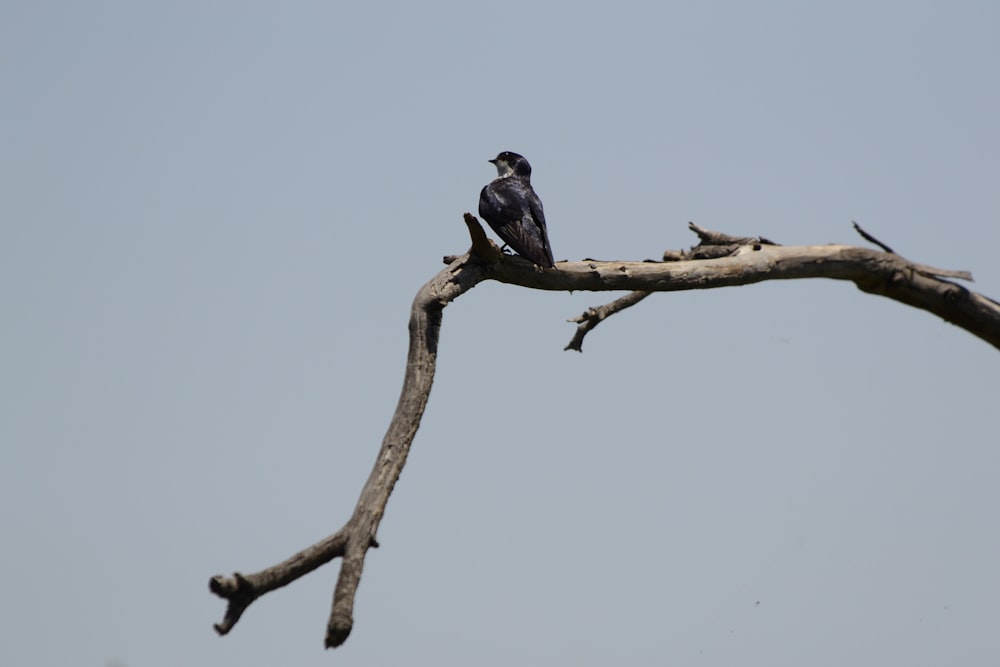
358, 535
747, 260
731, 261
590, 318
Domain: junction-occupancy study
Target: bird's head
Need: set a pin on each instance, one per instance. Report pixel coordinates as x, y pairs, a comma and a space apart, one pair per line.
511, 164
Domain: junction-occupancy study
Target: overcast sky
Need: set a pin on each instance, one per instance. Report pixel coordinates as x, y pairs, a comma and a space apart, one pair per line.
213, 219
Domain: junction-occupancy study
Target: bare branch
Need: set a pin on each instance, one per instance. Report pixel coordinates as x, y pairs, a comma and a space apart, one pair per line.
241, 590
482, 246
871, 239
746, 261
920, 268
872, 271
594, 316
716, 245
710, 238
358, 535
711, 245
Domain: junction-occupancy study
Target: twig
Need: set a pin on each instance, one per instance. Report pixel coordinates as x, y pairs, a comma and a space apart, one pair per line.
710, 238
929, 271
871, 239
593, 316
711, 245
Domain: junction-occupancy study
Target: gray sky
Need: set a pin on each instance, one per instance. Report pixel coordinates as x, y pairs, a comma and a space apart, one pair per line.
215, 215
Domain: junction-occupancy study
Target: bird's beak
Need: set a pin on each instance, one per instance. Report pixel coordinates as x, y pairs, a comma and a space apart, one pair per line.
493, 161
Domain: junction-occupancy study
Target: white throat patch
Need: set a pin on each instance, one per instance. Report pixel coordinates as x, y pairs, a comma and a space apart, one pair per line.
503, 169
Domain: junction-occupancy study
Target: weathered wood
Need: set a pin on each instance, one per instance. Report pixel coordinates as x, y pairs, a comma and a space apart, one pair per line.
746, 261
358, 535
872, 271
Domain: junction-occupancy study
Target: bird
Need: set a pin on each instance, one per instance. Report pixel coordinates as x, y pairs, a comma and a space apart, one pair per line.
510, 206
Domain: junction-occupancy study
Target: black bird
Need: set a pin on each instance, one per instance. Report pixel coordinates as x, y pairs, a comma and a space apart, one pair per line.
510, 206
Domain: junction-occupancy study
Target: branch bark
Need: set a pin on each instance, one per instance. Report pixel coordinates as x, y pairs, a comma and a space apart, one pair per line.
719, 261
881, 273
358, 535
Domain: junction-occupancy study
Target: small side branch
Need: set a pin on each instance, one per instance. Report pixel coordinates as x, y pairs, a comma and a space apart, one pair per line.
929, 271
594, 316
241, 590
711, 245
482, 246
871, 239
710, 238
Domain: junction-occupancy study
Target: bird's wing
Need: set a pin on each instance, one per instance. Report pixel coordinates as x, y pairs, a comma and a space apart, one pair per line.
535, 204
503, 207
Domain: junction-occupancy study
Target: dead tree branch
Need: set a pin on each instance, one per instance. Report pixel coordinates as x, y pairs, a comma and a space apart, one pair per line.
871, 239
358, 535
883, 273
591, 317
719, 260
